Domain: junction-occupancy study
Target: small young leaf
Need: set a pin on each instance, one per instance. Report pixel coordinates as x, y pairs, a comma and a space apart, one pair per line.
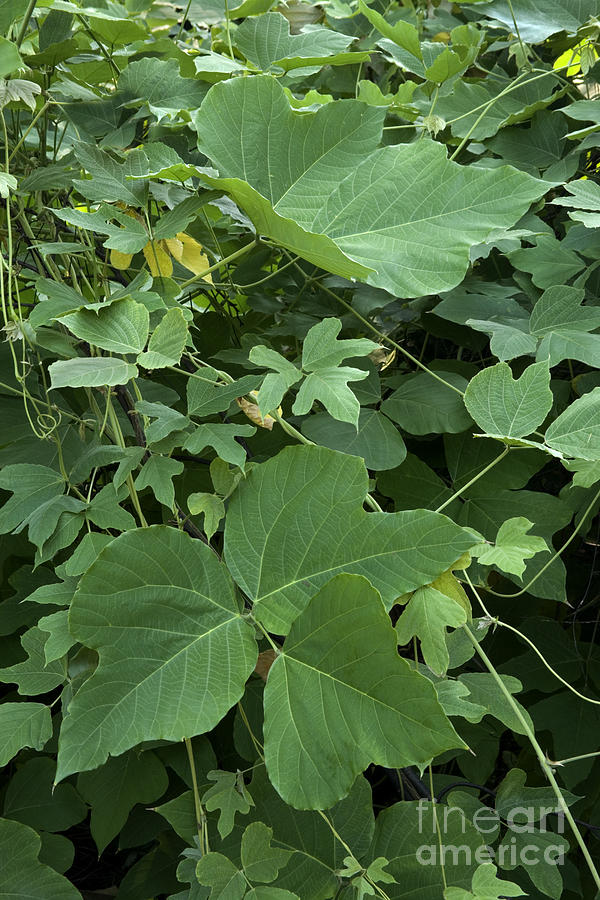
261, 861
427, 615
223, 439
211, 506
512, 546
229, 795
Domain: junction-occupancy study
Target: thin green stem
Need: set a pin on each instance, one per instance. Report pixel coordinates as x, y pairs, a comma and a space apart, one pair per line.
217, 265
24, 24
117, 432
570, 759
200, 816
392, 343
496, 621
479, 475
546, 768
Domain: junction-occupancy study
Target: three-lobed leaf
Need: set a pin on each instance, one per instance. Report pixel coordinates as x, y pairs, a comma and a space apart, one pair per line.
298, 519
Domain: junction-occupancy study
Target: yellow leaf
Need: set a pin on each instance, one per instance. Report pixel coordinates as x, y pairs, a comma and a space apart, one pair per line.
120, 260
252, 412
191, 255
175, 248
159, 261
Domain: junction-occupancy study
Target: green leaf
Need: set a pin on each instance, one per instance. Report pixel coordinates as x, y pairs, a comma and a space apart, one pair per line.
209, 505
266, 41
485, 886
222, 438
427, 614
506, 407
119, 327
167, 341
376, 440
229, 795
167, 420
344, 205
113, 789
158, 473
10, 11
8, 183
537, 22
330, 387
261, 861
22, 876
526, 805
167, 632
477, 109
129, 236
110, 180
576, 432
406, 835
586, 196
17, 90
297, 520
32, 486
10, 58
34, 675
560, 309
206, 396
402, 33
549, 262
23, 725
421, 406
158, 83
60, 639
512, 546
340, 682
95, 371
219, 873
33, 798
276, 383
322, 349
485, 692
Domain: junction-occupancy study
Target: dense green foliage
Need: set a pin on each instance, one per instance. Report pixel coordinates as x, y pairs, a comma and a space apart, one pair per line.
300, 450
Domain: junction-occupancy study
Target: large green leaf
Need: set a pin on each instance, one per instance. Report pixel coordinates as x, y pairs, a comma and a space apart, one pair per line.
339, 683
120, 327
158, 83
22, 875
298, 520
478, 109
402, 217
174, 651
266, 41
113, 789
23, 725
538, 19
376, 440
421, 407
576, 432
94, 371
